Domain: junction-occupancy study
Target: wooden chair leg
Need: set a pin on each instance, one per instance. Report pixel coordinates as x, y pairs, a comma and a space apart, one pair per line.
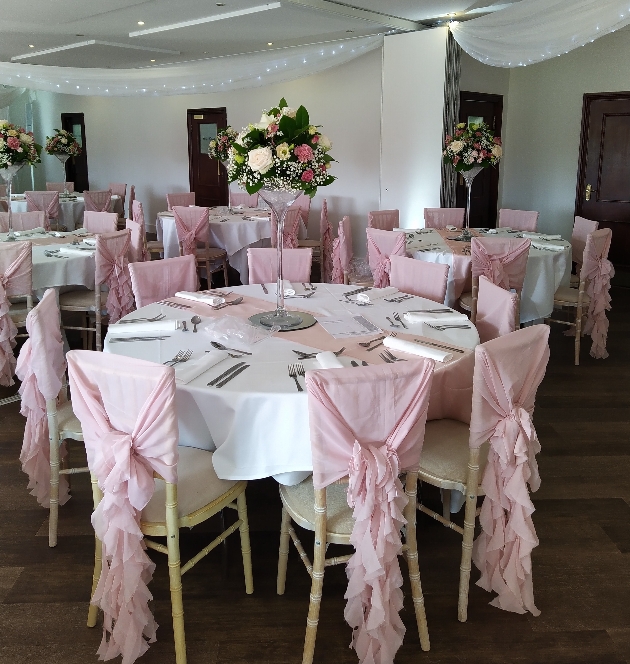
175, 573
283, 555
246, 548
469, 533
446, 504
98, 555
54, 492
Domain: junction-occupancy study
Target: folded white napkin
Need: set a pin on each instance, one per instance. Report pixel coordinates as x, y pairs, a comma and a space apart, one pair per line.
452, 228
328, 360
549, 246
39, 229
448, 319
376, 294
185, 372
496, 230
417, 349
252, 217
288, 288
237, 207
542, 236
72, 251
212, 300
134, 329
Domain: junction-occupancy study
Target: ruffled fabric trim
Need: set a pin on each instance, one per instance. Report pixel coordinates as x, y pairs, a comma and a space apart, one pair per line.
7, 339
374, 596
598, 289
120, 300
502, 552
337, 269
327, 261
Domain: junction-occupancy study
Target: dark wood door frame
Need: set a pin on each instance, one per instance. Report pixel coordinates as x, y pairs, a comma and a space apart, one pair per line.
77, 167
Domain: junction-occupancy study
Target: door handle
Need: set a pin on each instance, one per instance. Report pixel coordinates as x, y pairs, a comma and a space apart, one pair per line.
589, 189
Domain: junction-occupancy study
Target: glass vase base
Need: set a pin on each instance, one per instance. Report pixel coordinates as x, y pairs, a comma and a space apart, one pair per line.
282, 319
269, 318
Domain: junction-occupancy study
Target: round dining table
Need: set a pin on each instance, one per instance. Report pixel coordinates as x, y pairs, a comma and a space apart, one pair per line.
257, 422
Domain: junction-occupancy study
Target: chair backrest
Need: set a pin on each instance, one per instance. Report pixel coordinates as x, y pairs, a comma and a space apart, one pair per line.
419, 277
244, 199
342, 252
382, 245
326, 244
41, 367
43, 201
132, 198
119, 189
263, 265
497, 311
127, 411
112, 268
136, 212
16, 279
97, 200
184, 199
192, 225
521, 220
23, 221
100, 222
60, 187
581, 229
292, 221
136, 248
443, 217
153, 281
502, 260
385, 220
504, 394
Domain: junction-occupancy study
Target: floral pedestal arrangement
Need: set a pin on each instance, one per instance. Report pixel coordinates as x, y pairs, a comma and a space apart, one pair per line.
63, 145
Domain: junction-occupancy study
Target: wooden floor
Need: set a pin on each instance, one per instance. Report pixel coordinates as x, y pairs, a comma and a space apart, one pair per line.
581, 568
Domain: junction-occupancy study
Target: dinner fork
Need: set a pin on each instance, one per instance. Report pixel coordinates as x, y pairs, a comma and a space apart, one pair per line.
380, 343
441, 328
296, 370
182, 356
143, 320
175, 305
390, 357
399, 319
367, 344
310, 356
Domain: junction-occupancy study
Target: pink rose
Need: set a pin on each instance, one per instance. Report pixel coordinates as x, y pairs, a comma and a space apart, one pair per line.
315, 138
497, 140
477, 133
477, 146
307, 176
304, 153
323, 167
272, 129
13, 142
456, 158
459, 132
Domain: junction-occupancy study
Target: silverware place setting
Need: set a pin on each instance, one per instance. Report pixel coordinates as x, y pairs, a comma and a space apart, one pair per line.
115, 340
195, 320
399, 298
367, 344
391, 322
424, 342
265, 291
142, 320
296, 370
357, 291
310, 356
238, 300
174, 305
220, 346
389, 358
228, 375
398, 319
441, 328
380, 342
179, 358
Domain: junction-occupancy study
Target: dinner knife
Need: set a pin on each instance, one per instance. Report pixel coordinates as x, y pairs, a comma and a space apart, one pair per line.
226, 373
234, 374
428, 343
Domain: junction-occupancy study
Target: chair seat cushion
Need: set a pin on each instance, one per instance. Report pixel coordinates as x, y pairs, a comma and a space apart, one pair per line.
465, 301
569, 295
197, 486
79, 299
299, 501
444, 459
68, 423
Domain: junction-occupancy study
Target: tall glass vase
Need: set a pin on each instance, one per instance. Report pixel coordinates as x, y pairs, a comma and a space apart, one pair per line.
63, 158
279, 202
7, 174
469, 176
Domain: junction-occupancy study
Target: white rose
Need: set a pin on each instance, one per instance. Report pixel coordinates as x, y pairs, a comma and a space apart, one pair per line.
497, 151
324, 143
265, 121
25, 138
456, 146
291, 112
260, 160
241, 136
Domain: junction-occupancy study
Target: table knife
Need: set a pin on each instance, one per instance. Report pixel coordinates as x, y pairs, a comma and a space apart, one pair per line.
234, 374
226, 373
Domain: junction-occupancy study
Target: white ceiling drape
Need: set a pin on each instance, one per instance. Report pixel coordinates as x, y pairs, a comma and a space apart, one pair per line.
531, 31
202, 76
8, 95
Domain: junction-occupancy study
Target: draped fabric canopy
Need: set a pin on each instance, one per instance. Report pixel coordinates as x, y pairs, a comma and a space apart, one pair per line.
532, 31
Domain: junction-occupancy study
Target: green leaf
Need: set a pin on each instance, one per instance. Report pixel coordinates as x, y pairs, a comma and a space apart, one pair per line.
287, 127
301, 118
253, 188
283, 103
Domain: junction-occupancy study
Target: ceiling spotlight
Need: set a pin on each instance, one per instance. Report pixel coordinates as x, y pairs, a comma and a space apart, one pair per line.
31, 45
152, 60
269, 43
220, 4
140, 22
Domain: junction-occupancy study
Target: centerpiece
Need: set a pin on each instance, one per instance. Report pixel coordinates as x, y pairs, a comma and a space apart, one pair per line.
63, 145
17, 148
219, 147
472, 148
281, 157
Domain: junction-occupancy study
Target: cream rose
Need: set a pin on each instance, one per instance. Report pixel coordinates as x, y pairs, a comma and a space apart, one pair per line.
291, 112
260, 160
25, 138
497, 151
283, 151
456, 146
325, 143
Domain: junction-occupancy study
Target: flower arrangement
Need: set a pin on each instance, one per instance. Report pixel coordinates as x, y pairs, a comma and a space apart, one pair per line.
63, 142
17, 145
219, 148
472, 145
283, 152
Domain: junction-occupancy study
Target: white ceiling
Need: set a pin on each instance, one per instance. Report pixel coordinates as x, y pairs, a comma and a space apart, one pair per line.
58, 23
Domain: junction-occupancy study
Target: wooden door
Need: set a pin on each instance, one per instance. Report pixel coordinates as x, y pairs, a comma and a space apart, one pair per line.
474, 107
208, 177
77, 167
603, 187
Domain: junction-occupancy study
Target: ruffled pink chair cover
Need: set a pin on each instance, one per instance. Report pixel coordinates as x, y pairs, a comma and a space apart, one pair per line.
384, 220
97, 200
263, 265
504, 392
325, 232
136, 248
60, 187
153, 281
581, 229
43, 201
291, 228
342, 251
192, 225
521, 220
382, 245
184, 199
502, 260
100, 222
132, 198
16, 278
303, 202
368, 423
112, 268
40, 367
244, 199
497, 311
598, 271
127, 413
137, 214
443, 217
419, 277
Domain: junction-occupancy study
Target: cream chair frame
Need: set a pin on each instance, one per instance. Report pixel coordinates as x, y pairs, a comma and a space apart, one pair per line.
579, 301
80, 302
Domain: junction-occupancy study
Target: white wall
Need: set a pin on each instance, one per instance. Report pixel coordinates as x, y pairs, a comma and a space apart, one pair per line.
413, 101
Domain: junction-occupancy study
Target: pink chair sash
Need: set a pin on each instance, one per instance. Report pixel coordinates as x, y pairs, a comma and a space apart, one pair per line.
504, 392
581, 229
41, 367
502, 260
136, 248
153, 281
497, 310
60, 187
263, 265
325, 232
43, 201
112, 269
16, 278
244, 199
100, 222
192, 226
369, 425
342, 251
522, 220
598, 271
443, 217
184, 199
384, 220
419, 277
382, 245
119, 189
97, 201
137, 214
127, 412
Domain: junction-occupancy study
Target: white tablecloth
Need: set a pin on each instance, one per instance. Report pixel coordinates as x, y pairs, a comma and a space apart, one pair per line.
546, 270
234, 234
258, 423
70, 212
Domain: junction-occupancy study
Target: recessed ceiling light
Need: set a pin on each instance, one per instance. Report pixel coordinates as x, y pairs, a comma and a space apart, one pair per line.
31, 45
152, 60
269, 43
205, 52
140, 22
220, 4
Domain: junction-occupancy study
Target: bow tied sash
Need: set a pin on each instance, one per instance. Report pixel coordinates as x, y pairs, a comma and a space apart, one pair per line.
188, 236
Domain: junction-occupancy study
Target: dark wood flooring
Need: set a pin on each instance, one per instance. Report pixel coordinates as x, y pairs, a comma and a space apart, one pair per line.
581, 568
